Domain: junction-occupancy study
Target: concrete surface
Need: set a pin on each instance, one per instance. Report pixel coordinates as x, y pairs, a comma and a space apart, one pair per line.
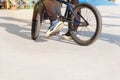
55, 59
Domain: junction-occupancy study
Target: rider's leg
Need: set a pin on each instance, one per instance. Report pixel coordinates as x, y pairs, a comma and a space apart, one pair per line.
52, 7
67, 35
75, 2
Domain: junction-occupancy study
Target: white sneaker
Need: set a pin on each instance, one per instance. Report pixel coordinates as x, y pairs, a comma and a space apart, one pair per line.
54, 28
66, 37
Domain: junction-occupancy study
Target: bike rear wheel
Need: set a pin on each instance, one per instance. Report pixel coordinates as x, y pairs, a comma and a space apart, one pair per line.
90, 24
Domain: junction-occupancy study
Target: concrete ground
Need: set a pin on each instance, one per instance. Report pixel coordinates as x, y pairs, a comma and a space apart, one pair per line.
56, 59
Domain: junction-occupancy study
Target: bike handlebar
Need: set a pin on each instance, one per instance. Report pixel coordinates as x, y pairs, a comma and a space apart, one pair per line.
64, 2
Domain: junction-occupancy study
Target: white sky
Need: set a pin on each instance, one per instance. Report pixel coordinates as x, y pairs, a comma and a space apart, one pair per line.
117, 1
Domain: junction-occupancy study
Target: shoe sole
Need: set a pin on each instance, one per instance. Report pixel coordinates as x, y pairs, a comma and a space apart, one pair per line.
66, 37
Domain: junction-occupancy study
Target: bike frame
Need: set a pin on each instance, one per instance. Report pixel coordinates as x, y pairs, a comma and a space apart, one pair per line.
69, 11
38, 8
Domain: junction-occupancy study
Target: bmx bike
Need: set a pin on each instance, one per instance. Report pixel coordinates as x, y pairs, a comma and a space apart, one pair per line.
85, 16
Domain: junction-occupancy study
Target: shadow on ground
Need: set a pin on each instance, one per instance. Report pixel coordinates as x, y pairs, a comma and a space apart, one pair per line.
15, 19
111, 25
111, 38
111, 16
26, 33
16, 30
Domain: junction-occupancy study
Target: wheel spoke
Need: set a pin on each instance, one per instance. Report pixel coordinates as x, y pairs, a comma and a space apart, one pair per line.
89, 27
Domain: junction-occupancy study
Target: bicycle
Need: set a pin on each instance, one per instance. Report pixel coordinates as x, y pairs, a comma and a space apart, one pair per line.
86, 16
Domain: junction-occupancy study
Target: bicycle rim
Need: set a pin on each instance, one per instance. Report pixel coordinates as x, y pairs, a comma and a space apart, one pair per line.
86, 34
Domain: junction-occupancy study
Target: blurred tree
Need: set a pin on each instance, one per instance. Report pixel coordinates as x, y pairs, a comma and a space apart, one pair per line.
112, 0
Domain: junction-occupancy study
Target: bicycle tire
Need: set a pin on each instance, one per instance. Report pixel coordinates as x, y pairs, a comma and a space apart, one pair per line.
36, 21
36, 27
98, 29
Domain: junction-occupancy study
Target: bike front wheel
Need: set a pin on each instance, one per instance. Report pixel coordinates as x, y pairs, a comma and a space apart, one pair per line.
36, 20
36, 24
90, 24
